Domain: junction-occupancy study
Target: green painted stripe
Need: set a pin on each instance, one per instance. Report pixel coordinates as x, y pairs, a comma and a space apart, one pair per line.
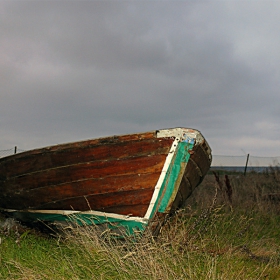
131, 227
182, 155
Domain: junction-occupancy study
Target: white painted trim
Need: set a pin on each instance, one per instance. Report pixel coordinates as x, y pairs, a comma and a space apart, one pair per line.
161, 178
90, 212
179, 134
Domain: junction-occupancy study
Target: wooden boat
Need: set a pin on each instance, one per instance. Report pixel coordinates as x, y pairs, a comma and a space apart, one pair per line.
132, 181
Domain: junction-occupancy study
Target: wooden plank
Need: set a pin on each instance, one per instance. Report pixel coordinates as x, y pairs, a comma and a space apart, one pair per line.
129, 210
201, 158
75, 155
103, 202
81, 144
184, 192
138, 165
34, 198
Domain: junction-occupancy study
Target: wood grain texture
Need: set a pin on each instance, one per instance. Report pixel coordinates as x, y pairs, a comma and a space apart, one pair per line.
115, 174
32, 162
197, 168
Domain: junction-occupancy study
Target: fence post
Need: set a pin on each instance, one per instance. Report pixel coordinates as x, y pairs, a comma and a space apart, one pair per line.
15, 150
246, 164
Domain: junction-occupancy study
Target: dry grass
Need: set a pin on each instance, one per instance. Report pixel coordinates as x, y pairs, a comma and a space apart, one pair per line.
229, 230
253, 192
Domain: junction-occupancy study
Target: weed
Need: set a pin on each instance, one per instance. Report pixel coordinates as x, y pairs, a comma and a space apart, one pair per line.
227, 231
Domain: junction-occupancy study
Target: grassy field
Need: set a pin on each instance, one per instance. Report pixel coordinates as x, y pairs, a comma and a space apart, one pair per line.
228, 230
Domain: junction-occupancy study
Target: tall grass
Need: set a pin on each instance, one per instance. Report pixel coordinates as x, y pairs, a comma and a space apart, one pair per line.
214, 237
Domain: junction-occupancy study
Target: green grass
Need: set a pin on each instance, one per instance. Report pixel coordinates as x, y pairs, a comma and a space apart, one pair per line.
212, 238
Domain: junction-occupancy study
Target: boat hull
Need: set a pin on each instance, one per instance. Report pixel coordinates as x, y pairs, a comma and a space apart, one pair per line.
130, 180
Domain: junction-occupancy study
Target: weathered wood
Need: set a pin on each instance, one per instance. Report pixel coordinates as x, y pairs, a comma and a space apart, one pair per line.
61, 177
28, 198
30, 163
201, 157
196, 170
129, 176
137, 165
103, 202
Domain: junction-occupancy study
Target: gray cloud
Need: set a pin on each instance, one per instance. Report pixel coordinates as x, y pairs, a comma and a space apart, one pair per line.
83, 69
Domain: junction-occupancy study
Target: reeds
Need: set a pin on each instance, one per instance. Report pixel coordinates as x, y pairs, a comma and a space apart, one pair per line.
223, 233
253, 192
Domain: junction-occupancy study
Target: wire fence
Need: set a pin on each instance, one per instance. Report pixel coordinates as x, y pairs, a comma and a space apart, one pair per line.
246, 163
5, 153
256, 161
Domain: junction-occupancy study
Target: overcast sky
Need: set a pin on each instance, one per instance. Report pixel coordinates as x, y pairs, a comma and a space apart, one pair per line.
74, 70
